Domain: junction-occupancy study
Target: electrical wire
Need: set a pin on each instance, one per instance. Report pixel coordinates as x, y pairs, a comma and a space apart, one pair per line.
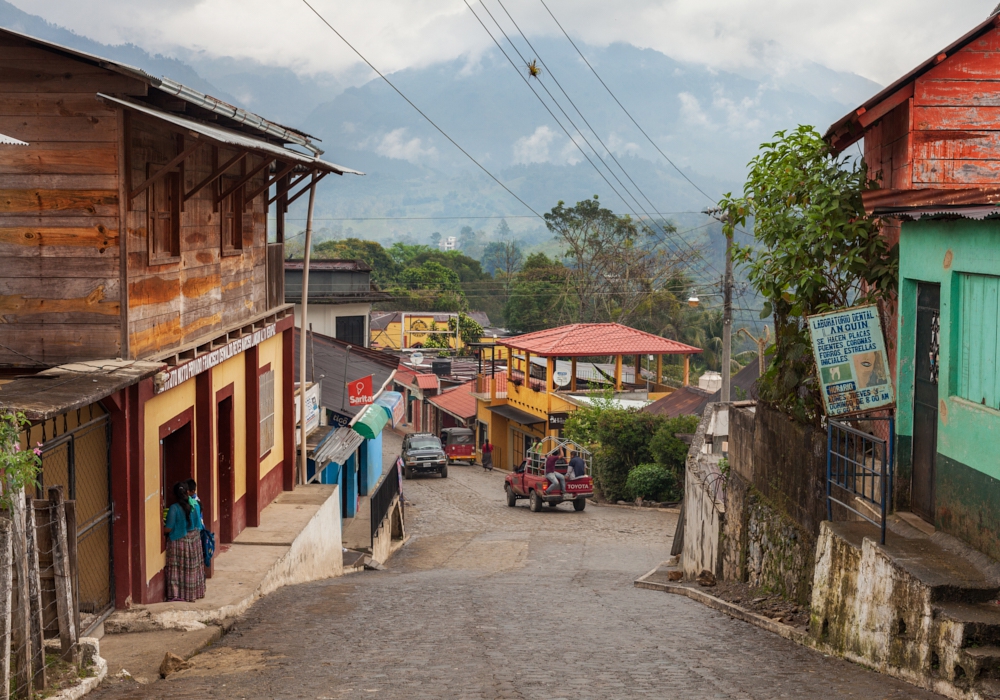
419, 111
627, 113
542, 102
585, 121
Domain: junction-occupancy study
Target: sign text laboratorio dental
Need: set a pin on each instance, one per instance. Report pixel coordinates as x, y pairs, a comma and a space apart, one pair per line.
851, 360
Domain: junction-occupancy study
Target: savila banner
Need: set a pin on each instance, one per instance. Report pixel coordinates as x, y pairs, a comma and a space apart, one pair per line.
359, 391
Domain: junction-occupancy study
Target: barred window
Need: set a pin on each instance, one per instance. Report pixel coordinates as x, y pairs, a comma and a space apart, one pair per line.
266, 385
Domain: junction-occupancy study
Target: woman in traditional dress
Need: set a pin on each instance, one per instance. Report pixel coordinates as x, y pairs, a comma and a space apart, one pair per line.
185, 559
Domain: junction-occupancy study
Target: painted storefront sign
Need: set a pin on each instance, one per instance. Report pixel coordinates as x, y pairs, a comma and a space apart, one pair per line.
181, 373
850, 357
312, 410
359, 391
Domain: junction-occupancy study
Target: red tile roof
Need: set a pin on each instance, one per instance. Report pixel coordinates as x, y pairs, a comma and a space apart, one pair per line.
427, 381
594, 339
459, 401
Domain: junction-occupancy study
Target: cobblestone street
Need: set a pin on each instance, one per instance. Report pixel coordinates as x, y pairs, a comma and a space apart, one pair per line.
487, 601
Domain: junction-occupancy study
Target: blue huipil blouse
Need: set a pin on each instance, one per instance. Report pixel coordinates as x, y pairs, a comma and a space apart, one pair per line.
179, 523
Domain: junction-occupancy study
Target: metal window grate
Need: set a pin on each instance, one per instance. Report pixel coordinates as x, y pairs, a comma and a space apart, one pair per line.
266, 386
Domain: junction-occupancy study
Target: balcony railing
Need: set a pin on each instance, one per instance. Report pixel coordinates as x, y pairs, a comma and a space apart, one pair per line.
485, 383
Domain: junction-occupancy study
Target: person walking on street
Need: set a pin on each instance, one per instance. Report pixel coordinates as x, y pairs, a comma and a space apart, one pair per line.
488, 455
185, 559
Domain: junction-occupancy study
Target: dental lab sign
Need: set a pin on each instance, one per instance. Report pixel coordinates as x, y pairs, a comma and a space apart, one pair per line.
851, 360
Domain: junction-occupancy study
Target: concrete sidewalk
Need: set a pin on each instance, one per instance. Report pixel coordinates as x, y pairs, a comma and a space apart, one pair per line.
298, 540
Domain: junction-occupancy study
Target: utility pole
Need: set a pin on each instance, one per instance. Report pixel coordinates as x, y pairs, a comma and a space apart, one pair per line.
727, 305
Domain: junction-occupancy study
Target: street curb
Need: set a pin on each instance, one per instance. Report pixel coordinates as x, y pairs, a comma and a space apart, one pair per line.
89, 684
731, 609
635, 508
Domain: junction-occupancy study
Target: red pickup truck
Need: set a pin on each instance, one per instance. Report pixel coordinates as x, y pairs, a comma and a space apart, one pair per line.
529, 480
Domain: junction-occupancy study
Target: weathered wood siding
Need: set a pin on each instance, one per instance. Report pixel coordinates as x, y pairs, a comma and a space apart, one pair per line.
59, 208
956, 119
206, 292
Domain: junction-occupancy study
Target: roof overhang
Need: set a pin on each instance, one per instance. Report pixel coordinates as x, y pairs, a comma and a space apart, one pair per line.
971, 202
55, 391
852, 126
516, 415
228, 137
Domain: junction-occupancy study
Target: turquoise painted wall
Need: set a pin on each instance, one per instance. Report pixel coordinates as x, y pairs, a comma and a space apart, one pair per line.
968, 469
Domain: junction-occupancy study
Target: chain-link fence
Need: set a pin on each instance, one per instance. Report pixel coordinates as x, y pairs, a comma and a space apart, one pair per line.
78, 458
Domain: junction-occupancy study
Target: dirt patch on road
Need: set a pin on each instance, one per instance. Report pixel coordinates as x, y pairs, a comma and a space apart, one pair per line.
225, 661
762, 602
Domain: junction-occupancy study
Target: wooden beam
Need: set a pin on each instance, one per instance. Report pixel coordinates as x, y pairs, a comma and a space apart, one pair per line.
659, 370
305, 189
618, 372
292, 183
885, 106
572, 379
217, 174
177, 160
687, 370
263, 188
239, 183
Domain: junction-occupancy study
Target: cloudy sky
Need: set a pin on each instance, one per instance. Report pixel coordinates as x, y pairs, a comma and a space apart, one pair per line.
879, 39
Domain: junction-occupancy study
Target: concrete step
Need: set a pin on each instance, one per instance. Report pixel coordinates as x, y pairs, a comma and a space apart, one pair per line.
951, 576
980, 621
979, 667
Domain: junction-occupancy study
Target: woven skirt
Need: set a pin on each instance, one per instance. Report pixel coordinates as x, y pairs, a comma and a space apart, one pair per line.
186, 568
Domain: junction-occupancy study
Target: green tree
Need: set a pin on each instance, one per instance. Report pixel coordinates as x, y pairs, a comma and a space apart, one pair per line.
384, 268
18, 467
429, 287
468, 329
617, 263
816, 250
539, 298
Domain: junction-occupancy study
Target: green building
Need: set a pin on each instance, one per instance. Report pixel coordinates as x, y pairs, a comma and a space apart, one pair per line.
936, 154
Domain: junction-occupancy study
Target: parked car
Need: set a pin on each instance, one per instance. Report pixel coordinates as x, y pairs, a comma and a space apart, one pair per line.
422, 452
529, 480
459, 444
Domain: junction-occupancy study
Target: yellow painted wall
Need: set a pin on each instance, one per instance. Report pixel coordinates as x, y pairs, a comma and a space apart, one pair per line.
232, 371
271, 352
158, 411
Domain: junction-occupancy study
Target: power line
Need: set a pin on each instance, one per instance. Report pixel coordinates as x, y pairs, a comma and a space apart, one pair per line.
648, 138
539, 97
585, 121
443, 218
419, 111
556, 119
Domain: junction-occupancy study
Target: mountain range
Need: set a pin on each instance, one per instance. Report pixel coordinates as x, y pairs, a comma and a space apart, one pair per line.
709, 122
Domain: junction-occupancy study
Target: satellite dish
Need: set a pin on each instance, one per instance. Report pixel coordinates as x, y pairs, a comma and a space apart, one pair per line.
417, 358
561, 377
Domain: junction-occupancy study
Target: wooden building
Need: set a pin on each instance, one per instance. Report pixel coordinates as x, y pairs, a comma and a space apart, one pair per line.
135, 226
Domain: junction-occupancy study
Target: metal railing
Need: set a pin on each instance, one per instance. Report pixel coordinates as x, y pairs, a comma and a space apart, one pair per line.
381, 500
859, 470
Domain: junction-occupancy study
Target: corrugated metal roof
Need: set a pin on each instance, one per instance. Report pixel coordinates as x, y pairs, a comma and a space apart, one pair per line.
231, 138
183, 92
691, 401
338, 447
595, 339
11, 141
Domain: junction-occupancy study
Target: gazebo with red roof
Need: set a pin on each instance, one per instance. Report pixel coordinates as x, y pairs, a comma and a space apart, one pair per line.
597, 340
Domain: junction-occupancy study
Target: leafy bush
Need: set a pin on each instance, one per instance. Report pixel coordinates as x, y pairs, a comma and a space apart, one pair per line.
668, 450
652, 482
